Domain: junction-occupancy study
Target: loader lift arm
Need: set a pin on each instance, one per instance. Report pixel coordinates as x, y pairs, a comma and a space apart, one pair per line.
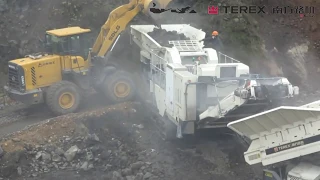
118, 20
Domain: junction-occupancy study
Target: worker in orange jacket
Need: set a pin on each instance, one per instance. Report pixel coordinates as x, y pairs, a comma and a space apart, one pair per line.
214, 40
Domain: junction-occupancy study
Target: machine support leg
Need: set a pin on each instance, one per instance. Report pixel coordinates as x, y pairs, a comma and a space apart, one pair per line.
179, 131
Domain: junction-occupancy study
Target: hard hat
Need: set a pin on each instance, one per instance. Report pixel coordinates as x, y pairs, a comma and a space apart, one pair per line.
215, 33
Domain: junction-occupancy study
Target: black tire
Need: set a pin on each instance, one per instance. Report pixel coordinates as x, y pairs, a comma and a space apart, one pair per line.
55, 91
100, 89
113, 64
111, 81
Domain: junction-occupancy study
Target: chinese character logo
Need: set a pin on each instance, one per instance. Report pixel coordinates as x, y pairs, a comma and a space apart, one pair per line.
307, 11
213, 10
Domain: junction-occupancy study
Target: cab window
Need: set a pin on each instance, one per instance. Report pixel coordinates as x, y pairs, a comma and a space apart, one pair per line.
85, 45
74, 45
192, 59
56, 45
77, 45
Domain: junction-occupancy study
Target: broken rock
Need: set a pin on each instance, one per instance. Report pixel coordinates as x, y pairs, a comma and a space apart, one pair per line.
89, 155
93, 137
90, 166
137, 165
16, 140
45, 169
126, 172
107, 167
59, 151
124, 160
84, 166
46, 157
139, 176
38, 155
116, 176
56, 158
147, 176
78, 166
55, 165
140, 126
71, 153
130, 178
19, 171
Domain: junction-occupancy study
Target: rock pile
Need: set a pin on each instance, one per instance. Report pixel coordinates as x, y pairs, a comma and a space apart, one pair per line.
163, 37
86, 153
98, 151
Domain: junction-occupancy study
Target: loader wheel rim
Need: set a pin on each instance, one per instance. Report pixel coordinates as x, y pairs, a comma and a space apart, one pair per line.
66, 100
121, 89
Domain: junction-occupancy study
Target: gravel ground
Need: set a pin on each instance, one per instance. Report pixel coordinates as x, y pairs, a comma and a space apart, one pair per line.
117, 143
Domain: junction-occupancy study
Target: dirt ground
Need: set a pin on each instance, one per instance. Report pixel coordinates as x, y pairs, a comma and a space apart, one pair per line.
122, 143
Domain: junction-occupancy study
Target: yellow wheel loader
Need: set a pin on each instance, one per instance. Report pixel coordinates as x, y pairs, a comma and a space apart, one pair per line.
60, 76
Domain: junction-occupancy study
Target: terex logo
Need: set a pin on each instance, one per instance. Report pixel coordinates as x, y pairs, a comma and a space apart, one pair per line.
213, 10
114, 33
244, 9
276, 149
236, 9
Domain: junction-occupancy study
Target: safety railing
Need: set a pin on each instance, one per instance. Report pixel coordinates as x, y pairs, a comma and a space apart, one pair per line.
226, 59
187, 45
157, 66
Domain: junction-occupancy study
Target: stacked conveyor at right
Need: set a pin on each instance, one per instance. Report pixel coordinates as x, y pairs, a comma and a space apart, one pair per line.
286, 140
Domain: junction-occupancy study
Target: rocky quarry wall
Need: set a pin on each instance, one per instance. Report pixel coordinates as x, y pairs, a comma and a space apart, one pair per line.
271, 44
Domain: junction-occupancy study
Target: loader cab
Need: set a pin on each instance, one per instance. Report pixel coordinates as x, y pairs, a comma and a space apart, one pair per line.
71, 41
